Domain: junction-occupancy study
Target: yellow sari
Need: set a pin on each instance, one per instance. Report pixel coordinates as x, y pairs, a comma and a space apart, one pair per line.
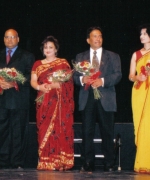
141, 119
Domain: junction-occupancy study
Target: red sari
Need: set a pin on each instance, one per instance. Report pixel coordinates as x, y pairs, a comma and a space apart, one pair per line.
55, 119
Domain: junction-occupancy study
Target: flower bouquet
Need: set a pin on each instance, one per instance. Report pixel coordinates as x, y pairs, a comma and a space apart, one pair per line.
11, 75
87, 69
60, 76
57, 76
84, 67
145, 70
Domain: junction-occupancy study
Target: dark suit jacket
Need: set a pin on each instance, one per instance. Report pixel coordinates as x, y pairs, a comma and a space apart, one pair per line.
110, 69
22, 61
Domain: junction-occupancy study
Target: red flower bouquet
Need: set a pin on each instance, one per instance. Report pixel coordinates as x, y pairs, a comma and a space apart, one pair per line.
11, 75
145, 70
87, 69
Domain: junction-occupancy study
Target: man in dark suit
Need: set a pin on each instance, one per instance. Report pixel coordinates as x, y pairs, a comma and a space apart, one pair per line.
101, 109
14, 105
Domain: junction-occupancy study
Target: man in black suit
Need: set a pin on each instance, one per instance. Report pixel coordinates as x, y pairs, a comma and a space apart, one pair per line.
102, 109
14, 105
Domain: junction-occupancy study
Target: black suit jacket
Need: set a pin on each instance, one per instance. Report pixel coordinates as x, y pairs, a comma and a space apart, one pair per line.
110, 69
22, 61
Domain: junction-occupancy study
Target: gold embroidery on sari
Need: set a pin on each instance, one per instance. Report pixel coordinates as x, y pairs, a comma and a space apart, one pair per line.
65, 160
49, 130
44, 67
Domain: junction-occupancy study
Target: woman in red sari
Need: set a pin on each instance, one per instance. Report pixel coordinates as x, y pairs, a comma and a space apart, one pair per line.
54, 110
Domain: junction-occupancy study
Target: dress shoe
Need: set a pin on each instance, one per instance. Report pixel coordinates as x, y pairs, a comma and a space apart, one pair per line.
19, 168
86, 169
108, 168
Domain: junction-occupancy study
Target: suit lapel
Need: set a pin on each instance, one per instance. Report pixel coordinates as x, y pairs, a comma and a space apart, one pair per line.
87, 56
3, 58
103, 60
16, 56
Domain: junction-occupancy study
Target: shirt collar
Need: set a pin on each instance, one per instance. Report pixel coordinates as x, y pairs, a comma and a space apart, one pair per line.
13, 49
99, 50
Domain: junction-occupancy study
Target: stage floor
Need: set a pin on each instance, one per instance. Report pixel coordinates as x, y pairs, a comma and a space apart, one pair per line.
33, 174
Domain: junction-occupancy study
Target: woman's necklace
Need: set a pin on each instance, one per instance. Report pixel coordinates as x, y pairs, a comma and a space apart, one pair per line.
146, 49
49, 60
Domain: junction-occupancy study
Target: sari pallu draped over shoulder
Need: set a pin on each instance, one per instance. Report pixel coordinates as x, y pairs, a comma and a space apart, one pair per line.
141, 119
55, 120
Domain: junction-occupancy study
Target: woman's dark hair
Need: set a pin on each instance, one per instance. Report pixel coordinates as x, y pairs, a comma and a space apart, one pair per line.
50, 39
89, 30
145, 26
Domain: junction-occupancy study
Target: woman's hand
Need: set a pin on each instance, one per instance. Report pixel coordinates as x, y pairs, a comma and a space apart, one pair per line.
54, 85
47, 87
44, 87
141, 77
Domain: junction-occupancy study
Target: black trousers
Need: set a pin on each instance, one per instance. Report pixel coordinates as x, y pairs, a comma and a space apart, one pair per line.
13, 137
92, 112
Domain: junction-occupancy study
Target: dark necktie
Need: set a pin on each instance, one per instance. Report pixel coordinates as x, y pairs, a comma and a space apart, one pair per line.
95, 61
8, 57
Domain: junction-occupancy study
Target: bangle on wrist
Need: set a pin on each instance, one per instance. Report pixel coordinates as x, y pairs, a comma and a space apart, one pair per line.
38, 88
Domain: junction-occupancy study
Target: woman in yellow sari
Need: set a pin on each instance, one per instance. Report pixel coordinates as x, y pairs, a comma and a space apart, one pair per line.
140, 75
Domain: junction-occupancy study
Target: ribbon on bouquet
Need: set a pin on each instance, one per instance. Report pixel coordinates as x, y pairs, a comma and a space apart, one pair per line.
16, 86
93, 77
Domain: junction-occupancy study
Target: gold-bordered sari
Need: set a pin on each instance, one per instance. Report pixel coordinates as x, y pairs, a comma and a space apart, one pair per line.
55, 120
141, 119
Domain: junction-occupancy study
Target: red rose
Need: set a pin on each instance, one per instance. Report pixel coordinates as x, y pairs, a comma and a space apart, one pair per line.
82, 63
9, 73
14, 74
92, 70
84, 68
148, 65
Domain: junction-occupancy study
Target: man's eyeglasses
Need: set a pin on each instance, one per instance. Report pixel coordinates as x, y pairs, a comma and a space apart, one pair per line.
10, 37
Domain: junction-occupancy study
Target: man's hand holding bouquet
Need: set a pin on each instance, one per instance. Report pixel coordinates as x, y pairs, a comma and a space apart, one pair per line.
90, 77
10, 77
